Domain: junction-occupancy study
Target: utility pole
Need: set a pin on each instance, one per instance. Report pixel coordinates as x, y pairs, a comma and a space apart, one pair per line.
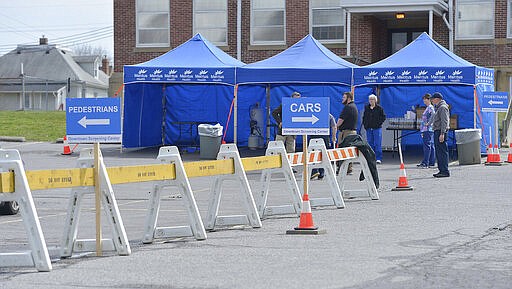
22, 100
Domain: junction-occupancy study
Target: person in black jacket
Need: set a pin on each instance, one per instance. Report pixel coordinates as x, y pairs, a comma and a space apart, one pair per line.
373, 117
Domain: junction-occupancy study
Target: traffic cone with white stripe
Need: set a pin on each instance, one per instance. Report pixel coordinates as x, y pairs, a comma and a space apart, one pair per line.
493, 156
306, 225
67, 149
509, 157
403, 184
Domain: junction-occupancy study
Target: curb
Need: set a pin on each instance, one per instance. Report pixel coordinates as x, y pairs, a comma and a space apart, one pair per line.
12, 138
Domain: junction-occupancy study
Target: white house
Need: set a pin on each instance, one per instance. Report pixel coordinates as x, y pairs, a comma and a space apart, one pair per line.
40, 77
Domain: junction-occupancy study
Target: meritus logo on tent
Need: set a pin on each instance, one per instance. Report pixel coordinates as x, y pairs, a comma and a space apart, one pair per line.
203, 75
157, 74
438, 76
187, 74
372, 76
405, 76
389, 76
456, 75
141, 74
218, 75
171, 74
421, 76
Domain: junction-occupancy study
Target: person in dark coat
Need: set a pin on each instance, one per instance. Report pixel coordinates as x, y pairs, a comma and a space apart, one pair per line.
364, 148
373, 118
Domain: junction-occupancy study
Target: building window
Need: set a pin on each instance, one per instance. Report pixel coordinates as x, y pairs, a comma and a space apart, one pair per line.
509, 19
268, 22
153, 23
211, 20
475, 19
327, 21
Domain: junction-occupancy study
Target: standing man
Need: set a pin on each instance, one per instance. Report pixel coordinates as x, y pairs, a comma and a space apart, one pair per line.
288, 140
347, 121
427, 134
373, 118
441, 125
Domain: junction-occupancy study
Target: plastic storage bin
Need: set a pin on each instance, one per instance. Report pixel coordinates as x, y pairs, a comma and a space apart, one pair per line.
210, 137
468, 146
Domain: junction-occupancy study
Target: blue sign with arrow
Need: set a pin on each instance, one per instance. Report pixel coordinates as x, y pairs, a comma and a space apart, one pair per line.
93, 120
494, 101
306, 116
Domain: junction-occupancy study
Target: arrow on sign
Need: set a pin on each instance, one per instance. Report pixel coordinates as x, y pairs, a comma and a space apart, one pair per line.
99, 121
312, 119
491, 102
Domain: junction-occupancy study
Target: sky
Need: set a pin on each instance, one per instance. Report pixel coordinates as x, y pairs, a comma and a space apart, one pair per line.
69, 23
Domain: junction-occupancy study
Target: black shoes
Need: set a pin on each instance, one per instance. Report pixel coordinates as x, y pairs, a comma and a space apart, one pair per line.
441, 175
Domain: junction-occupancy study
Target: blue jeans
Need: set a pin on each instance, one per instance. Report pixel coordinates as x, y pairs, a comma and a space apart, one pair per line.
374, 138
441, 152
429, 152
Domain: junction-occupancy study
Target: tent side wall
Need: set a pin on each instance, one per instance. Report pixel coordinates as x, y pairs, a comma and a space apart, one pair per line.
142, 115
188, 105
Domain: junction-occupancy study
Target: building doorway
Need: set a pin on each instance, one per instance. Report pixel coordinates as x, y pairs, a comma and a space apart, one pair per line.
399, 38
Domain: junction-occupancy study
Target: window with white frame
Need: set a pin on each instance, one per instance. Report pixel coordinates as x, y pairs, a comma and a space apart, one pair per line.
268, 22
211, 20
509, 18
153, 28
327, 21
475, 19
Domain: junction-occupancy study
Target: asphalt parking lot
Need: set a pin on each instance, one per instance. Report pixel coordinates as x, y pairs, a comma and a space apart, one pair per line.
447, 233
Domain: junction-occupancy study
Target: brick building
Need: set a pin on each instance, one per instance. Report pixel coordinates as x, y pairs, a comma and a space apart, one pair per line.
360, 31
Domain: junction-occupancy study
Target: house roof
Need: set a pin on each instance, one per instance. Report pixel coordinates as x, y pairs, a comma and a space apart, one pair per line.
45, 62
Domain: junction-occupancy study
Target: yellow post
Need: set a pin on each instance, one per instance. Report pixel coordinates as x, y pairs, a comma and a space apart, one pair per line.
97, 190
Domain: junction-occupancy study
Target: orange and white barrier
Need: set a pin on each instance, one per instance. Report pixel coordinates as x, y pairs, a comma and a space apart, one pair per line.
277, 148
319, 158
352, 155
37, 256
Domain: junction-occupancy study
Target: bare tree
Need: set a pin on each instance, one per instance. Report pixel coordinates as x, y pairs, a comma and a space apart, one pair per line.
87, 49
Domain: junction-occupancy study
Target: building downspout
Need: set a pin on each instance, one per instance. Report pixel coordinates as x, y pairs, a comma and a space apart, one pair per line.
348, 32
449, 24
239, 30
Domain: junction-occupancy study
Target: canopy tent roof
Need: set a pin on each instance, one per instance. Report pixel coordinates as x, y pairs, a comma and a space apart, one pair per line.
423, 61
195, 61
307, 61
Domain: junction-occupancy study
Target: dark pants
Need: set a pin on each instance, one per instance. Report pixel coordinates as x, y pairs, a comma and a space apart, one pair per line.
327, 145
441, 152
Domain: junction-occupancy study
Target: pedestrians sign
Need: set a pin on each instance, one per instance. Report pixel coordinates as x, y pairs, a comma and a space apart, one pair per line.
90, 120
306, 116
494, 101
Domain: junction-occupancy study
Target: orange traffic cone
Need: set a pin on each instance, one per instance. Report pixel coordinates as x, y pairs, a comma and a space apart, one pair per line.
509, 158
493, 156
67, 149
497, 157
306, 225
403, 185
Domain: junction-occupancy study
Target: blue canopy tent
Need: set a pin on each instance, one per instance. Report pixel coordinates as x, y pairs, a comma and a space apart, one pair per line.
166, 97
307, 67
426, 66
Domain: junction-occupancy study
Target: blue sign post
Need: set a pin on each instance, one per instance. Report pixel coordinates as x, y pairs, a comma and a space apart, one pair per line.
495, 101
93, 120
306, 116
